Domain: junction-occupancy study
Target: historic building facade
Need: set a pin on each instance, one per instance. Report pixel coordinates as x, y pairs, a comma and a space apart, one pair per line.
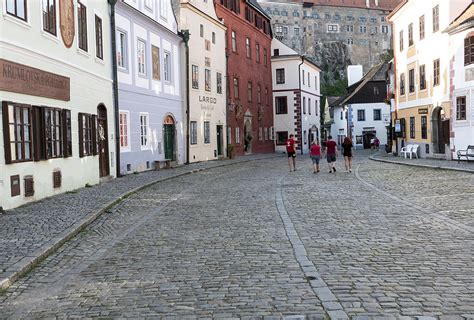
56, 91
461, 45
151, 119
334, 34
296, 98
207, 83
248, 45
422, 72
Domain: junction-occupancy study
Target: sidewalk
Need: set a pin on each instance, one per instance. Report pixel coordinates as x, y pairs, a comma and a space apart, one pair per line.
382, 156
30, 233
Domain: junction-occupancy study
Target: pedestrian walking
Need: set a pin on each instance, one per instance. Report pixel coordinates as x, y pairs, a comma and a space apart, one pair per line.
372, 143
315, 153
347, 147
331, 154
376, 143
291, 151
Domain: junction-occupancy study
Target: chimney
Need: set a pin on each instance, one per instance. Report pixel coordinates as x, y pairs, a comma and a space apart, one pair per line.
354, 74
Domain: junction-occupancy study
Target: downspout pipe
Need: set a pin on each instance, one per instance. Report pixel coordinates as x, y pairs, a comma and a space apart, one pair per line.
301, 102
115, 87
185, 35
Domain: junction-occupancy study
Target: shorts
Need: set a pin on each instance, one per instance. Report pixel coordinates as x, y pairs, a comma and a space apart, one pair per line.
331, 158
291, 154
348, 154
315, 159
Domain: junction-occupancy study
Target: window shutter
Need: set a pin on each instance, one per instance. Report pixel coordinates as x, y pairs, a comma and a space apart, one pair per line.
94, 134
66, 133
81, 135
39, 142
6, 133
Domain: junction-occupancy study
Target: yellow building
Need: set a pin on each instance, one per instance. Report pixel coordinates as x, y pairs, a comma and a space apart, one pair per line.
422, 77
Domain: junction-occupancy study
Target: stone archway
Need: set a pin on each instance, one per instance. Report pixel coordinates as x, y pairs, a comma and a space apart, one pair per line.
439, 130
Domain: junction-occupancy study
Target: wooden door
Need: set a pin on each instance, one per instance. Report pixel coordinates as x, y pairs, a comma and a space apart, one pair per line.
103, 142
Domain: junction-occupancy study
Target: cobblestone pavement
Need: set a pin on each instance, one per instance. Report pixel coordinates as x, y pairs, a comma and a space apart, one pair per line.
251, 241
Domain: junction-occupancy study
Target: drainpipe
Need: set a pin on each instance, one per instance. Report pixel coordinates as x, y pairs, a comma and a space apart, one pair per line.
301, 101
185, 35
227, 97
115, 87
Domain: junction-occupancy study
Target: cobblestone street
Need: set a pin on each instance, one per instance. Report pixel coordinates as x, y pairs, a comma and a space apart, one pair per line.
253, 241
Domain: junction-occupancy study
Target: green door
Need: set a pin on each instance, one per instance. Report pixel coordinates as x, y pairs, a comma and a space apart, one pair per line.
219, 141
169, 141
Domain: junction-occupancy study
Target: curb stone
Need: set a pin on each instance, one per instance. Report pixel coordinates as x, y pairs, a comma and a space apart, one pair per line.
427, 166
26, 264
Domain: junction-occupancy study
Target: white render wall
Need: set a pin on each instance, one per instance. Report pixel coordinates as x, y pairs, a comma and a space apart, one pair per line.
90, 82
379, 125
339, 127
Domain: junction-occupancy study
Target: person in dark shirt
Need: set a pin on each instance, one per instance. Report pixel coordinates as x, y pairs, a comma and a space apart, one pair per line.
331, 154
347, 153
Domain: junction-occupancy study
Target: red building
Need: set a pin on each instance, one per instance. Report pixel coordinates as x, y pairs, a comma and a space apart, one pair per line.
249, 76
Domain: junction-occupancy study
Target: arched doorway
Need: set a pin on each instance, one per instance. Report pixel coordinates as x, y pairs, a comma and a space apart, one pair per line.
440, 130
169, 135
102, 141
248, 137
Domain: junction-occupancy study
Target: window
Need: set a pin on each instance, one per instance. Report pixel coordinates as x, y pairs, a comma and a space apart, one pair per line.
316, 107
332, 27
342, 115
281, 137
350, 28
229, 135
411, 80
193, 129
265, 57
155, 61
280, 76
144, 124
87, 135
49, 16
302, 75
167, 66
265, 132
422, 77
247, 47
99, 47
236, 88
53, 133
195, 76
121, 49
469, 50
309, 80
362, 29
260, 134
201, 31
436, 72
436, 18
219, 82
281, 105
376, 90
309, 106
67, 133
377, 114
257, 52
412, 127
402, 84
422, 27
124, 129
17, 132
233, 5
141, 45
424, 127
410, 34
401, 41
278, 29
163, 9
461, 108
214, 38
249, 91
237, 135
82, 25
207, 79
234, 41
285, 30
384, 29
296, 14
360, 115
297, 31
17, 8
259, 94
304, 105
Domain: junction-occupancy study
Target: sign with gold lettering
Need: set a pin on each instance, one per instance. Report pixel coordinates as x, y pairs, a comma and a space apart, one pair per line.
66, 21
15, 77
423, 111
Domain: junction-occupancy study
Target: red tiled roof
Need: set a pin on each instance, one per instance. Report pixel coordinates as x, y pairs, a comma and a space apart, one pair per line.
382, 4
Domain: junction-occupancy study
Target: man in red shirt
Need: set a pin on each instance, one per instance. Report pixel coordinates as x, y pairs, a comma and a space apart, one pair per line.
331, 154
291, 151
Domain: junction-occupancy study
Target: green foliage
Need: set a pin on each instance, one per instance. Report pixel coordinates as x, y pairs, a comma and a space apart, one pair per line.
338, 88
387, 56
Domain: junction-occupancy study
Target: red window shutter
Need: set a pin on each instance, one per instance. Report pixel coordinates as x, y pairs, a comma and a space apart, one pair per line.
6, 133
81, 135
94, 135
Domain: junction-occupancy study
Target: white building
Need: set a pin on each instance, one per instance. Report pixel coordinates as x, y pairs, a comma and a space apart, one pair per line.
297, 98
56, 92
422, 63
207, 79
149, 70
461, 45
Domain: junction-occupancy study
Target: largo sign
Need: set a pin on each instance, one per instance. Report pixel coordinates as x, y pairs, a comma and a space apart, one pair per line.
15, 77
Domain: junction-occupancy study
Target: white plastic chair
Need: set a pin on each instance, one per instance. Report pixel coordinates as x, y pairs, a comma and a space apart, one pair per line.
406, 150
414, 151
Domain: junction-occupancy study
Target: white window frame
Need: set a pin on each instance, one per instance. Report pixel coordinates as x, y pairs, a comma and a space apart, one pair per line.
207, 132
145, 130
141, 55
193, 133
164, 10
128, 147
167, 66
125, 48
237, 135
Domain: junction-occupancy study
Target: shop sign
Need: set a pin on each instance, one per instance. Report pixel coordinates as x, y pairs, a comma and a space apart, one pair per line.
208, 99
423, 111
15, 77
